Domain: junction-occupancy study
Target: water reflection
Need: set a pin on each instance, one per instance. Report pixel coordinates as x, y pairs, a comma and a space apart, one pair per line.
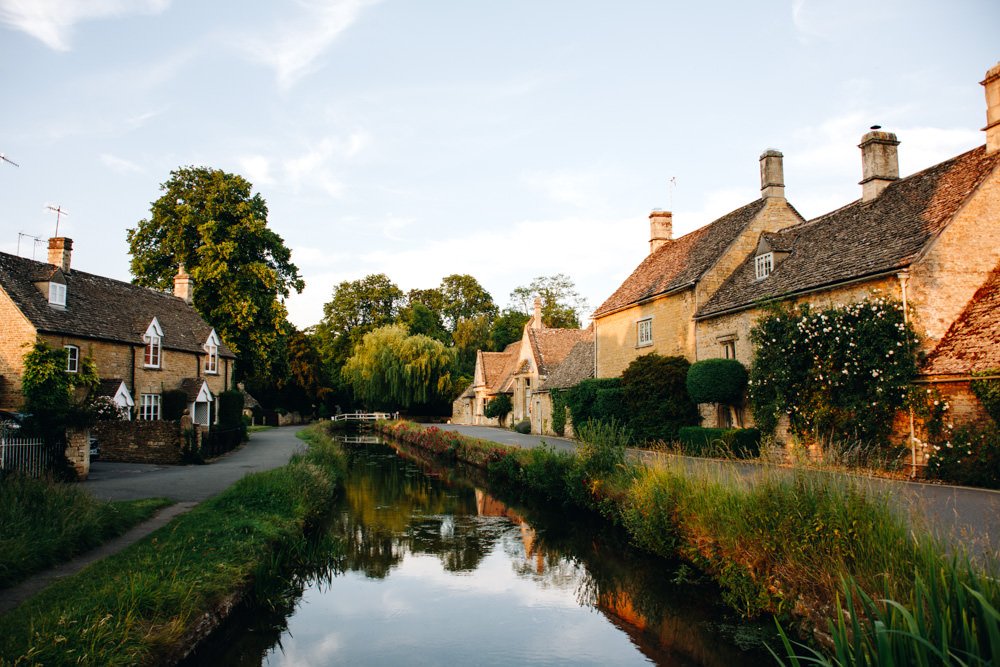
435, 570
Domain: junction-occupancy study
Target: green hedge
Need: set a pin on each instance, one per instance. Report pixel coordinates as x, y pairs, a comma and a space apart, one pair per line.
558, 397
717, 381
230, 409
173, 403
523, 426
656, 398
742, 443
583, 401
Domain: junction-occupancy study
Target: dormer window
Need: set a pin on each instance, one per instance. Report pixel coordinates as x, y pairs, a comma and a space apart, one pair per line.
212, 350
154, 345
57, 294
72, 358
763, 265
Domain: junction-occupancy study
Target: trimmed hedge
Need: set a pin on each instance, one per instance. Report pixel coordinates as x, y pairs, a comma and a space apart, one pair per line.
523, 427
173, 402
656, 398
743, 443
717, 381
230, 409
583, 399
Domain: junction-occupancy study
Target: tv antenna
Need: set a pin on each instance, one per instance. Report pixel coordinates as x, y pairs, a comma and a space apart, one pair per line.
58, 210
4, 158
671, 186
34, 245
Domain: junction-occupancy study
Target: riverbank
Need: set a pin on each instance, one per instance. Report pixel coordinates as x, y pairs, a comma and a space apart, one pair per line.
782, 545
152, 602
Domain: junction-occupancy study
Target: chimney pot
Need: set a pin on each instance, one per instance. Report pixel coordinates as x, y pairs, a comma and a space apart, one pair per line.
184, 285
992, 86
879, 163
661, 229
772, 174
536, 321
61, 252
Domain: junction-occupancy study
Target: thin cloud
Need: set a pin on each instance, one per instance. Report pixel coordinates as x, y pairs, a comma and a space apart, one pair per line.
52, 21
293, 51
120, 165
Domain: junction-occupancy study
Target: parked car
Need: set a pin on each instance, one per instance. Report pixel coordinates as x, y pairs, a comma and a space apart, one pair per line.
95, 448
11, 421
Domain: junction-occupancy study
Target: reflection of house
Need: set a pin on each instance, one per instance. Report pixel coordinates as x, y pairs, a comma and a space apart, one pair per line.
142, 341
517, 371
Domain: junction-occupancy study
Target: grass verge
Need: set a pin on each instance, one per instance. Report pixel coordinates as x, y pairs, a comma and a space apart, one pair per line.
151, 602
43, 523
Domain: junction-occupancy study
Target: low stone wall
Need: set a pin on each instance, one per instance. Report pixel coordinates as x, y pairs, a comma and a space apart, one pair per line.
139, 441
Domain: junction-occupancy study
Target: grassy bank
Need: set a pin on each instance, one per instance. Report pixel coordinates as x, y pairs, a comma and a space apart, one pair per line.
43, 523
152, 601
800, 545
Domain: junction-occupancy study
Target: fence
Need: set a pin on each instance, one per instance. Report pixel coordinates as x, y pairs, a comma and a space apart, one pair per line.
219, 441
25, 455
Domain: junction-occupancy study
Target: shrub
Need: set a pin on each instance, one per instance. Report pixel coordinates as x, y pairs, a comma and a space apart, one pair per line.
499, 408
523, 426
173, 402
656, 397
230, 409
742, 443
558, 397
988, 393
717, 381
582, 399
968, 457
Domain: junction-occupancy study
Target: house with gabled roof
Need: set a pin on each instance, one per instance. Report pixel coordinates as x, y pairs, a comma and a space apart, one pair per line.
653, 310
574, 369
143, 341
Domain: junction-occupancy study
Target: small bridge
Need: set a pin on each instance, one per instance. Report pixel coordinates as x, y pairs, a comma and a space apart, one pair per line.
364, 416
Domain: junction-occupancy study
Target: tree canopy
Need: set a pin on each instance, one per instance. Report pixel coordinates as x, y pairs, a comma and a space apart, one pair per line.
562, 305
212, 223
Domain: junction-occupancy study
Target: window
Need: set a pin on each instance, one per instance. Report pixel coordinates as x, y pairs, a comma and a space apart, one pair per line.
729, 349
764, 264
149, 407
57, 294
154, 341
72, 358
644, 332
212, 361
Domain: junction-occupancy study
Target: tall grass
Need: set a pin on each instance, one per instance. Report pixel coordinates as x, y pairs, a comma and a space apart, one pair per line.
43, 523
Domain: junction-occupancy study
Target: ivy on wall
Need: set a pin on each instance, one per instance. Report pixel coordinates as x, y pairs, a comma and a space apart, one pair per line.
838, 374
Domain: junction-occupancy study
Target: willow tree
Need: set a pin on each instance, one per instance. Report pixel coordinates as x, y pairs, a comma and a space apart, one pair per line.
390, 368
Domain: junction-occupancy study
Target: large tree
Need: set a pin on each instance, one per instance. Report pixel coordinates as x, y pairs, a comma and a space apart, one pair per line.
562, 305
213, 224
462, 298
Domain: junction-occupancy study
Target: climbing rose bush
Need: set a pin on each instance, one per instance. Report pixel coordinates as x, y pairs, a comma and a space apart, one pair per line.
838, 374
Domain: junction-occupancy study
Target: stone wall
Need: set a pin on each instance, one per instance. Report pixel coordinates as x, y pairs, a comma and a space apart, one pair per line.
615, 335
16, 337
78, 451
140, 441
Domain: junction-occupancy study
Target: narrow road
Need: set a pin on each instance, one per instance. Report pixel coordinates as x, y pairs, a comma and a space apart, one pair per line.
964, 516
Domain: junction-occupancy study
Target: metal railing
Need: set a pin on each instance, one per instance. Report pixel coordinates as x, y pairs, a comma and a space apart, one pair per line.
29, 456
364, 416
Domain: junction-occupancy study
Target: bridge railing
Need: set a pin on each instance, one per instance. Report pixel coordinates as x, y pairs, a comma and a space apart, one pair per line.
364, 416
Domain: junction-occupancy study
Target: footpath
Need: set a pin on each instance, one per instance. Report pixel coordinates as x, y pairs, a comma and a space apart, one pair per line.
961, 515
186, 485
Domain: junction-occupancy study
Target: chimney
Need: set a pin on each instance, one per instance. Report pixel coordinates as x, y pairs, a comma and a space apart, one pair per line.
60, 252
879, 162
992, 85
536, 321
184, 285
661, 228
772, 174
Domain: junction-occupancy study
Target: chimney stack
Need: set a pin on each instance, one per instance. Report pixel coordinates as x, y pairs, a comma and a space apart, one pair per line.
772, 174
536, 321
61, 252
879, 162
184, 285
661, 229
992, 85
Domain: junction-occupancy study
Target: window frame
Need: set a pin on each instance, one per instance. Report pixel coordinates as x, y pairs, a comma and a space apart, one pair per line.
72, 358
150, 407
764, 265
57, 294
212, 360
644, 326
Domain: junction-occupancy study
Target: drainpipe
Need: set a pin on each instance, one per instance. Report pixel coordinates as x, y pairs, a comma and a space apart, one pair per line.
904, 278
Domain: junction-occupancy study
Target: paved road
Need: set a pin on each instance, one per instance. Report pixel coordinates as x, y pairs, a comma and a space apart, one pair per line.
963, 515
194, 483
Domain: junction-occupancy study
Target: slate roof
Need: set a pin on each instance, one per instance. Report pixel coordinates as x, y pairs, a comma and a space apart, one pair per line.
576, 367
551, 346
109, 387
495, 365
861, 239
102, 308
972, 343
192, 386
682, 261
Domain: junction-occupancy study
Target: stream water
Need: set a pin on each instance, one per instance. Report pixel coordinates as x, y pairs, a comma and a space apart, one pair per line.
427, 568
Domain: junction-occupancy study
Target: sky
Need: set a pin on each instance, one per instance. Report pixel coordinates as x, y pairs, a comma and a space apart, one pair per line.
507, 139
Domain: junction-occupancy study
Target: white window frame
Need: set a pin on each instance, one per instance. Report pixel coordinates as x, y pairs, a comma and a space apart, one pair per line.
150, 407
152, 355
212, 350
72, 358
764, 265
57, 294
644, 332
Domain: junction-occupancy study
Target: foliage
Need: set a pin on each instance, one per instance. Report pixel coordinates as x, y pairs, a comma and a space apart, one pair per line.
602, 446
210, 222
44, 523
717, 381
523, 427
988, 393
743, 443
841, 373
173, 403
53, 398
421, 320
463, 298
507, 328
360, 306
470, 334
582, 397
558, 398
230, 406
303, 389
106, 410
390, 368
562, 305
967, 456
656, 398
499, 408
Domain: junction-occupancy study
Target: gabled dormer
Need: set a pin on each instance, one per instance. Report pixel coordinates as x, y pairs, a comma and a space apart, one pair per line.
772, 249
153, 338
52, 284
211, 347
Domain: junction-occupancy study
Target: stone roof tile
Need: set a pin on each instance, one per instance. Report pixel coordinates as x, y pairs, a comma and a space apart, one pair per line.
575, 368
972, 343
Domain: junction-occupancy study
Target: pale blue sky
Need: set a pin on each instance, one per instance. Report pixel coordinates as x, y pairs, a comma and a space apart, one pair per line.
505, 139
